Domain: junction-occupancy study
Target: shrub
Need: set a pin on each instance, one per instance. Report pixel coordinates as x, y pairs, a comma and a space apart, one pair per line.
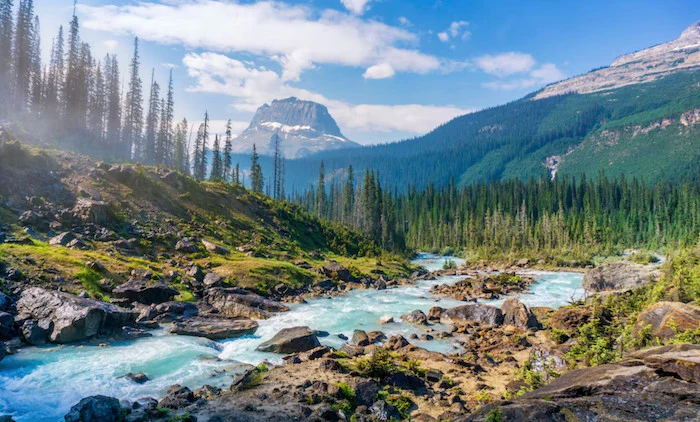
379, 365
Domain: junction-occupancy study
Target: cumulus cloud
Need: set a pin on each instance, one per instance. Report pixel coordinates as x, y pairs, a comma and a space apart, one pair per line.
457, 29
357, 7
297, 36
403, 20
251, 86
543, 75
379, 71
505, 64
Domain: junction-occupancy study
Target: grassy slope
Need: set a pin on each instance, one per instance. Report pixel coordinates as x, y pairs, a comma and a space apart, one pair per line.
163, 210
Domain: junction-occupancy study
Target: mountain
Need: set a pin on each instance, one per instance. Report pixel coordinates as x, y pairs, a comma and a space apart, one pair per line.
646, 126
304, 127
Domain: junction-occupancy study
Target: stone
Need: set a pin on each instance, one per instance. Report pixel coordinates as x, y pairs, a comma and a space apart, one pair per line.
186, 246
327, 413
330, 365
386, 319
95, 409
681, 360
214, 248
415, 317
177, 398
68, 318
239, 303
291, 340
435, 313
624, 275
384, 411
77, 244
32, 333
359, 338
352, 350
569, 319
196, 272
483, 314
376, 337
396, 342
249, 378
666, 319
91, 211
62, 239
7, 325
5, 302
144, 291
517, 314
336, 271
212, 279
214, 328
366, 393
138, 377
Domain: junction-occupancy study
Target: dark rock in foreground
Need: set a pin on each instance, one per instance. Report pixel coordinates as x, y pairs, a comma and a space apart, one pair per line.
214, 328
67, 318
96, 409
239, 303
145, 291
291, 340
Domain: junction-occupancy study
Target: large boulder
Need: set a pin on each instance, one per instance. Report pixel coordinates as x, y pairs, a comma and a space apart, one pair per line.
359, 338
32, 333
214, 328
291, 340
214, 248
366, 392
471, 313
5, 301
186, 245
145, 291
415, 317
96, 409
666, 319
336, 271
67, 318
62, 239
569, 319
91, 211
239, 303
654, 385
623, 275
7, 325
517, 314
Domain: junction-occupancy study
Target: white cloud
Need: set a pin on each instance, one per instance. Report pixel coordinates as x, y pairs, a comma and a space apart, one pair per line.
357, 7
110, 45
297, 36
251, 87
543, 75
403, 20
505, 64
379, 71
457, 29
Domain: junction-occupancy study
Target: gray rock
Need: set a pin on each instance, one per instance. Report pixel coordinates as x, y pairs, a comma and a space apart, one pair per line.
177, 398
68, 318
96, 409
622, 275
666, 319
359, 338
144, 291
5, 302
239, 303
214, 248
214, 328
62, 239
138, 377
7, 325
32, 333
517, 314
186, 246
384, 411
366, 392
212, 279
415, 317
483, 314
291, 340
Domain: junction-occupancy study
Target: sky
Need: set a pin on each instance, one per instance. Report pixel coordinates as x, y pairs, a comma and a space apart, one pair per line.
386, 69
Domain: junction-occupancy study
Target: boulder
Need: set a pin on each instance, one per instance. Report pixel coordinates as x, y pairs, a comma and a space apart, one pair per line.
569, 319
386, 319
138, 377
214, 248
249, 378
5, 301
435, 313
366, 393
214, 328
622, 275
359, 338
96, 409
7, 325
666, 319
144, 291
91, 211
415, 317
396, 342
517, 314
291, 340
483, 314
336, 271
384, 411
653, 385
196, 272
32, 333
177, 398
239, 303
212, 279
62, 239
68, 318
186, 245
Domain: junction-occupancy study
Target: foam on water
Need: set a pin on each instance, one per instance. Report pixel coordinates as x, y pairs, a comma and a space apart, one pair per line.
42, 383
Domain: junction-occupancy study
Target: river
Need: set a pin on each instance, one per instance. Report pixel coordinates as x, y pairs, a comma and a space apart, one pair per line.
42, 383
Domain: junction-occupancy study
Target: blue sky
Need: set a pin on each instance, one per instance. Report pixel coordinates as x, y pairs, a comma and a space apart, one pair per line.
387, 69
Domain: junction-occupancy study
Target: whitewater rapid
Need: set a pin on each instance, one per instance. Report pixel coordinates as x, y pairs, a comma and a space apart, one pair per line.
42, 383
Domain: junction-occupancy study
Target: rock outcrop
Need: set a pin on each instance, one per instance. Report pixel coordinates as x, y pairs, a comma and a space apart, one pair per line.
652, 385
415, 317
239, 303
472, 313
666, 319
214, 328
67, 318
291, 340
517, 314
96, 409
145, 291
622, 275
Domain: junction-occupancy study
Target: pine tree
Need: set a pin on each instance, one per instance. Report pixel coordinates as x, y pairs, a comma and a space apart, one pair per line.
152, 121
197, 157
256, 176
133, 111
113, 105
54, 80
276, 167
97, 108
37, 80
72, 84
237, 175
321, 192
165, 135
180, 154
6, 33
201, 149
348, 196
217, 166
227, 153
22, 54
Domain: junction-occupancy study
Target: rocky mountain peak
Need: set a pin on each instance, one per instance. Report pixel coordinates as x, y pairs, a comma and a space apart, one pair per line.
304, 127
692, 32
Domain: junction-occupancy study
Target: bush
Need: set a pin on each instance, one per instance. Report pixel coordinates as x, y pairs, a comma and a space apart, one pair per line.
379, 365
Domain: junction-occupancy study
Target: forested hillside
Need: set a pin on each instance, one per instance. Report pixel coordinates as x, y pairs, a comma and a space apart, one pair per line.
618, 131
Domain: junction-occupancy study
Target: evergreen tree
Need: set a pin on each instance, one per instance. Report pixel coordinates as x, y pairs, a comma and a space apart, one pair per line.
73, 81
197, 153
200, 151
227, 176
54, 80
165, 134
217, 166
113, 114
237, 175
37, 81
180, 153
348, 196
22, 54
256, 176
276, 167
133, 110
6, 33
321, 192
152, 121
97, 107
